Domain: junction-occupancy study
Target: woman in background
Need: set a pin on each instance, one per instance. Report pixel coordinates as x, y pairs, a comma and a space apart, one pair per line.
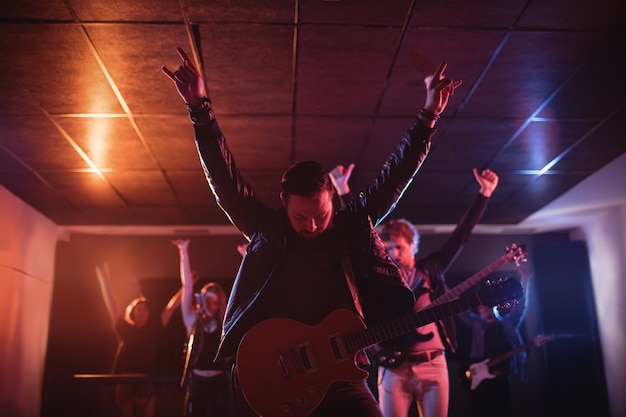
138, 331
207, 383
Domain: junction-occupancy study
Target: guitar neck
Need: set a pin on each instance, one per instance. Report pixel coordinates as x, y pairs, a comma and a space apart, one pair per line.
400, 326
473, 280
492, 293
507, 355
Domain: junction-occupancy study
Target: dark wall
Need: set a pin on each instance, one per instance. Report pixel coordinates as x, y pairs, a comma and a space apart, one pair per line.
572, 364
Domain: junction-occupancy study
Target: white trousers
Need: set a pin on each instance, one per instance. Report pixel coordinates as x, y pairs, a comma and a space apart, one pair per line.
427, 382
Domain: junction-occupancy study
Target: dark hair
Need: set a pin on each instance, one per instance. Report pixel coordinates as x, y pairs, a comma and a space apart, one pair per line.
129, 315
305, 179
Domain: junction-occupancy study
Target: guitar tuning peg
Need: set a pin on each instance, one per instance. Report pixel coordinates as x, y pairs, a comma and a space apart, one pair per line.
508, 249
507, 305
496, 281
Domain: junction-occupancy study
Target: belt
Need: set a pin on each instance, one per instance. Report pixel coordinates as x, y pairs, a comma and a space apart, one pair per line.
208, 373
423, 357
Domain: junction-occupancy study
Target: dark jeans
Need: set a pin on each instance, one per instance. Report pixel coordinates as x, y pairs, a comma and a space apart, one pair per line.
348, 399
492, 398
343, 399
209, 397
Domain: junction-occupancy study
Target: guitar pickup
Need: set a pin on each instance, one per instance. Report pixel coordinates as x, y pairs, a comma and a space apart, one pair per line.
306, 356
337, 346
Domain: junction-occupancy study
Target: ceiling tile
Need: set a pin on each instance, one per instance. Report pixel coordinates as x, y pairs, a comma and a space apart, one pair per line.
191, 187
515, 85
112, 143
84, 189
36, 10
366, 12
458, 13
562, 14
132, 11
142, 188
248, 68
73, 81
22, 135
170, 140
344, 79
261, 11
539, 143
330, 140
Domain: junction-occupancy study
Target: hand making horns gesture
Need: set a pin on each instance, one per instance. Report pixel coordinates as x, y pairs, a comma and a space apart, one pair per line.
438, 90
188, 80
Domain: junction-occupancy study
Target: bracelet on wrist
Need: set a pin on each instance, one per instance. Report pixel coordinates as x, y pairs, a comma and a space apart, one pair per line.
204, 104
202, 113
428, 115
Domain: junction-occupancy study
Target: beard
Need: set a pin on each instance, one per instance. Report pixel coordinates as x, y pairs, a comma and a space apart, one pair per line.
309, 235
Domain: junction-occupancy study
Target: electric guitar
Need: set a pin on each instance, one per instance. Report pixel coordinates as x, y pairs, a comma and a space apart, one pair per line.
479, 371
393, 357
285, 367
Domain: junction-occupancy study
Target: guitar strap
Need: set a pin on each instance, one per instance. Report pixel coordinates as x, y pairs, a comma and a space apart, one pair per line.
346, 265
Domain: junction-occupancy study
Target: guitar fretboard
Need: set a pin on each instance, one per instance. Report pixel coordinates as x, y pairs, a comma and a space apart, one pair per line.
402, 325
513, 254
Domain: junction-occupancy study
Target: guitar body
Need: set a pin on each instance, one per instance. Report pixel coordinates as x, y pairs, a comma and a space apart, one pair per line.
478, 372
295, 362
385, 357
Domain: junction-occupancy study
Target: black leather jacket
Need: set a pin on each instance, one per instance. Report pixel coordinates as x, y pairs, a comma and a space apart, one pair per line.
382, 294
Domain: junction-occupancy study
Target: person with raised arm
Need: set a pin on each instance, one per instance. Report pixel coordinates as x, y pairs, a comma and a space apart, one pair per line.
207, 382
309, 266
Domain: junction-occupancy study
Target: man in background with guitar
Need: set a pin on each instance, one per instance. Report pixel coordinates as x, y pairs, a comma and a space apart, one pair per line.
417, 369
306, 262
497, 352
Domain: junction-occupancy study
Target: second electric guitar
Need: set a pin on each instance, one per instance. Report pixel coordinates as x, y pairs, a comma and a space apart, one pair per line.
285, 367
479, 371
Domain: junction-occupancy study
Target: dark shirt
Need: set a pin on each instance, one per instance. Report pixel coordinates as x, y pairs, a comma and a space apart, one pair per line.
496, 345
138, 348
209, 343
309, 282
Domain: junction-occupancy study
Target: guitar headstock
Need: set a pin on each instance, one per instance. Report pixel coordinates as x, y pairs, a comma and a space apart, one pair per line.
501, 292
517, 253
